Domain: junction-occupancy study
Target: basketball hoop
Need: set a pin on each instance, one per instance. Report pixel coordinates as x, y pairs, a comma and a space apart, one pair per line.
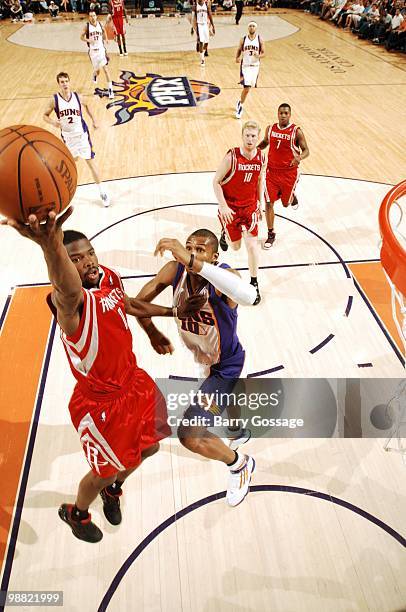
393, 256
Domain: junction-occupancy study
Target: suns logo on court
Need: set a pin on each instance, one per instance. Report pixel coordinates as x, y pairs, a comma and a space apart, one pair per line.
154, 94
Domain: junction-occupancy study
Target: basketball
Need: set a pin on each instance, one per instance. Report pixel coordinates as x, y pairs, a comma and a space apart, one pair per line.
37, 173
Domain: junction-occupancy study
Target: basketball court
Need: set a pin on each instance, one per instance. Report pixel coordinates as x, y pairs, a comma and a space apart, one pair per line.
323, 527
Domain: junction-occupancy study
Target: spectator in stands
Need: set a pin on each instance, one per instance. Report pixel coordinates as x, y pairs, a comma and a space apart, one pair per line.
354, 18
227, 5
16, 11
380, 30
94, 6
397, 38
53, 9
391, 35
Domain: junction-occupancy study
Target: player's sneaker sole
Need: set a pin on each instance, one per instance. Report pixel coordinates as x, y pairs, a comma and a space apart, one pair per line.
223, 242
111, 507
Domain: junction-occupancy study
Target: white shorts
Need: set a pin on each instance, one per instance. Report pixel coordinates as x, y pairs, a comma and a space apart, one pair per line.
79, 145
249, 76
203, 33
98, 58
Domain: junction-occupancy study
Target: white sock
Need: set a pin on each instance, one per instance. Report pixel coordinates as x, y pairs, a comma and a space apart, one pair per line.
101, 189
239, 463
110, 85
202, 56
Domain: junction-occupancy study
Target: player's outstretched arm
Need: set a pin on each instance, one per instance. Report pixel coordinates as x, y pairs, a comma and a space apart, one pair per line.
231, 285
143, 310
225, 212
67, 295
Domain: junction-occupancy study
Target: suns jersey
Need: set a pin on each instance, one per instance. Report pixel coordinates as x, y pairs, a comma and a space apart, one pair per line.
201, 13
100, 353
249, 48
282, 145
117, 9
240, 185
95, 34
69, 113
211, 333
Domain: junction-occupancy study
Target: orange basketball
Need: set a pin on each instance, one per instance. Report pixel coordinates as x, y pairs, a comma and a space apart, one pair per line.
37, 173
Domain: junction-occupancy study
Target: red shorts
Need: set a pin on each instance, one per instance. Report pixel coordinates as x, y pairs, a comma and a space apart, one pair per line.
246, 216
119, 25
281, 184
114, 432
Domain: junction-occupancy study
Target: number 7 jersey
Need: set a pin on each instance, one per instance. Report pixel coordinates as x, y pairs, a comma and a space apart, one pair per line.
282, 146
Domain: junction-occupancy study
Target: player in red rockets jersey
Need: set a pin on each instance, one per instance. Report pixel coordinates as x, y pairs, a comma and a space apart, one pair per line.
287, 148
238, 185
116, 408
118, 13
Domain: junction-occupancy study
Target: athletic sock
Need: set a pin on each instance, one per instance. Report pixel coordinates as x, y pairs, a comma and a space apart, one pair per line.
238, 462
79, 515
254, 280
115, 487
270, 231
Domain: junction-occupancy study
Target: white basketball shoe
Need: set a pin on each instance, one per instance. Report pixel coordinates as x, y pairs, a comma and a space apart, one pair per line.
239, 481
241, 437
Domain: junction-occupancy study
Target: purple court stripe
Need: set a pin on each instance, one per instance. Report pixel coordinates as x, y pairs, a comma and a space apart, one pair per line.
349, 304
172, 377
127, 178
322, 343
211, 498
262, 372
380, 323
5, 310
27, 464
365, 365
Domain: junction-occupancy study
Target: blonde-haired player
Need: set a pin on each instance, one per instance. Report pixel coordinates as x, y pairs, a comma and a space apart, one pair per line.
95, 36
252, 49
239, 188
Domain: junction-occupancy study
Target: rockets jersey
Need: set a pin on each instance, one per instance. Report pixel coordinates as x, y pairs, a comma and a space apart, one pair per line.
250, 47
240, 185
100, 351
95, 33
201, 13
69, 113
282, 143
117, 8
211, 333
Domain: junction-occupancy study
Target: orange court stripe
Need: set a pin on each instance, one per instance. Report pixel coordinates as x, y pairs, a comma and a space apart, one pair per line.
373, 281
22, 347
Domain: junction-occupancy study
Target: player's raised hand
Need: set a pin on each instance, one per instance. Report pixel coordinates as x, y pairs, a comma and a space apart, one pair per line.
175, 247
226, 213
48, 235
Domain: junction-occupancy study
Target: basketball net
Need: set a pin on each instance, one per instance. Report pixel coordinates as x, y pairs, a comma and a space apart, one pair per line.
393, 257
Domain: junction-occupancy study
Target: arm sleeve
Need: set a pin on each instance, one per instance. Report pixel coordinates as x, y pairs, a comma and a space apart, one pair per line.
231, 285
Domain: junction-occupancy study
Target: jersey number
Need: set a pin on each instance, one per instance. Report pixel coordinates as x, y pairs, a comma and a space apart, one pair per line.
247, 177
122, 315
70, 119
191, 324
279, 144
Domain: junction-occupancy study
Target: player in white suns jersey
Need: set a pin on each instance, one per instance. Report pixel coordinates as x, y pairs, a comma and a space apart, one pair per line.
201, 17
67, 105
252, 49
95, 36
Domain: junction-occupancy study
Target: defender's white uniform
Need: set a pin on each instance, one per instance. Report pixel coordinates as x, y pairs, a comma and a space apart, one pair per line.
74, 130
250, 61
97, 50
202, 22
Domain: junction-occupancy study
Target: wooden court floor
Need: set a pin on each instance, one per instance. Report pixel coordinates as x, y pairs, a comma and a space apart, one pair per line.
323, 527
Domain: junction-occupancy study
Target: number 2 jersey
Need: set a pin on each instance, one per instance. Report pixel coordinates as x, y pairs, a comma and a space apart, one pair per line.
240, 185
211, 333
100, 352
